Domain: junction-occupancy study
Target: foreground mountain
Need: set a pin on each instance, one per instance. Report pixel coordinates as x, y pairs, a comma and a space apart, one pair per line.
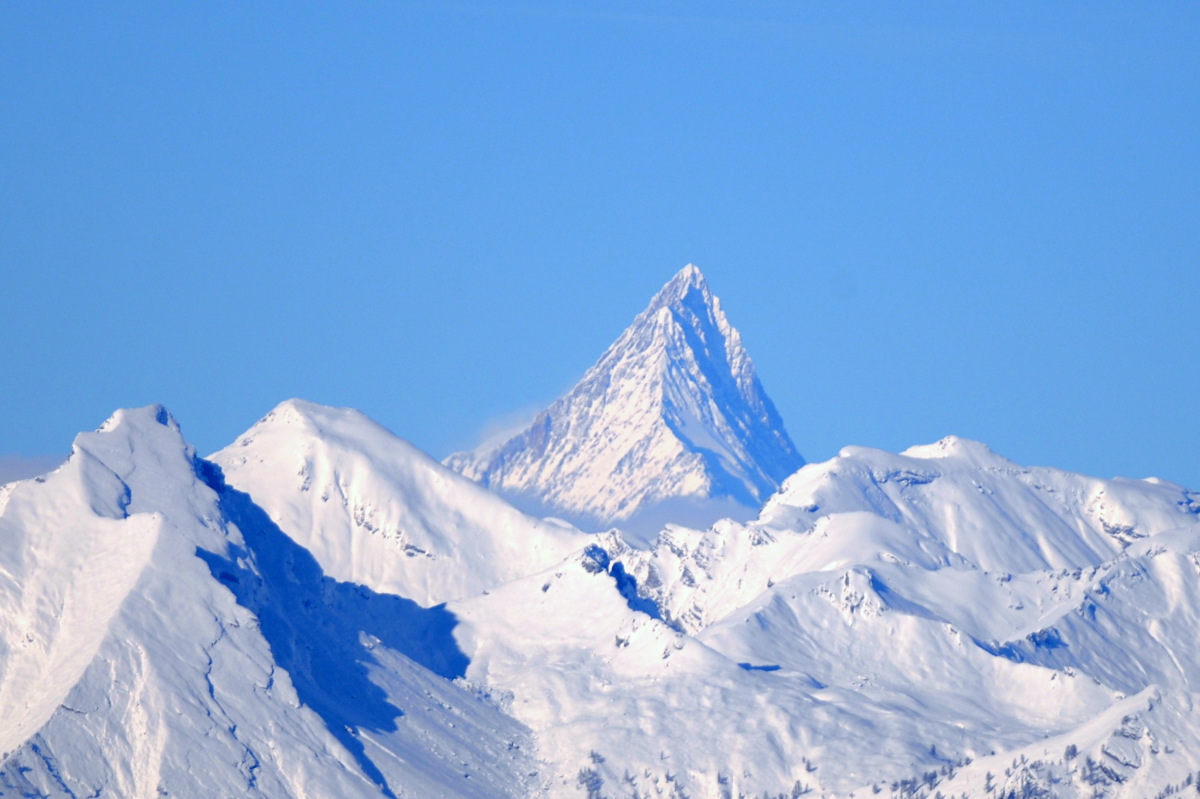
159, 636
322, 610
375, 510
901, 622
670, 424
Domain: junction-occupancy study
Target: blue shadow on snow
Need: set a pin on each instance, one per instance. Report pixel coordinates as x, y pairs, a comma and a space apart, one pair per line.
315, 625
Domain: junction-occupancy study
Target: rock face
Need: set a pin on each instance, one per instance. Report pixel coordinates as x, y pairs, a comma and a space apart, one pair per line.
671, 416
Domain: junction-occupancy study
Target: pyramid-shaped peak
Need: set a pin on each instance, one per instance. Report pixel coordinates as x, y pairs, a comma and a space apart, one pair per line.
671, 412
685, 302
686, 280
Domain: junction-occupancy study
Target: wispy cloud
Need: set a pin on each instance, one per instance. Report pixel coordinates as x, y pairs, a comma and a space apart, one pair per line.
498, 429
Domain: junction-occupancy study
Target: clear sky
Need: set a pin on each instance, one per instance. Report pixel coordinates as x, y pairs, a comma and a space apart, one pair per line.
926, 218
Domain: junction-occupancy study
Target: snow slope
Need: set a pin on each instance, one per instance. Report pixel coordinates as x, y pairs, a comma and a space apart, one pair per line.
671, 415
160, 637
375, 510
924, 583
643, 708
954, 504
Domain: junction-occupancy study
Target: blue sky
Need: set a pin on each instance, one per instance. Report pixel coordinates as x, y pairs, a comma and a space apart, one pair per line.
926, 220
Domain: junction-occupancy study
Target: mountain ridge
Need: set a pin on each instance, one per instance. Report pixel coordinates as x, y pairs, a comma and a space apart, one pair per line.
938, 620
155, 643
352, 492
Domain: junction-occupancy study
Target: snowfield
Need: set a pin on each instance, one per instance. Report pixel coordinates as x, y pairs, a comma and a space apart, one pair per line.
322, 610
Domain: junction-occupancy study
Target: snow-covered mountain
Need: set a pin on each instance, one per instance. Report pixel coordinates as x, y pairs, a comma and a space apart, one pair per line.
356, 496
898, 624
905, 600
670, 423
320, 609
159, 636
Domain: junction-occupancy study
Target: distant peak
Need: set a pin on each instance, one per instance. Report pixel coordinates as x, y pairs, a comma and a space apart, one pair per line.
672, 412
690, 273
678, 287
